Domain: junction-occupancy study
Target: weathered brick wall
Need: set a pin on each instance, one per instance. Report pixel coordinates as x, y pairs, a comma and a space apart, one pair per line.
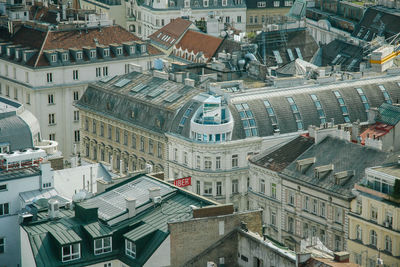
190, 238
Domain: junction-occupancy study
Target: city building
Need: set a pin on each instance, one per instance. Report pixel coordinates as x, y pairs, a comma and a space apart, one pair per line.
124, 119
374, 218
124, 226
305, 189
48, 69
151, 16
261, 13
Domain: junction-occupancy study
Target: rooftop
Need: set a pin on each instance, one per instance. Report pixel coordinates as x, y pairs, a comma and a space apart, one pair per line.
168, 35
389, 114
147, 229
393, 170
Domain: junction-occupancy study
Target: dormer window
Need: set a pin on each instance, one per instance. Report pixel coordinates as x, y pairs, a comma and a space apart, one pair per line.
71, 252
78, 55
143, 49
132, 49
187, 3
130, 249
224, 2
106, 52
8, 51
24, 57
261, 4
102, 245
16, 55
92, 54
53, 58
205, 3
65, 57
119, 51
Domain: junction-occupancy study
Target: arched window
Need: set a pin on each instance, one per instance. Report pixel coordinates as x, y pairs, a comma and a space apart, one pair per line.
373, 238
358, 233
388, 243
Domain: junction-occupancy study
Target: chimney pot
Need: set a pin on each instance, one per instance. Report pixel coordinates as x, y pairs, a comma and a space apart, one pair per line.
131, 206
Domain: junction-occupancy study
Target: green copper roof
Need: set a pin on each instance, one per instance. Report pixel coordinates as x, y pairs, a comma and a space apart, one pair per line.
389, 114
97, 229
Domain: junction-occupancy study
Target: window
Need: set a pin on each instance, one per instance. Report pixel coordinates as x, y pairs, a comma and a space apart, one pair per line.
71, 252
374, 213
205, 3
46, 185
78, 55
338, 215
273, 190
343, 106
388, 244
319, 108
248, 121
117, 133
358, 233
198, 187
306, 203
53, 58
296, 113
159, 150
388, 219
386, 95
305, 230
219, 188
338, 243
75, 74
7, 90
291, 225
359, 206
185, 158
52, 119
175, 154
52, 137
64, 57
76, 115
142, 144
4, 209
261, 4
3, 187
207, 163
273, 218
133, 139
130, 249
151, 147
198, 162
92, 54
288, 3
77, 136
2, 245
224, 2
251, 20
102, 245
187, 3
291, 198
235, 186
239, 19
106, 52
255, 19
373, 238
322, 209
322, 235
277, 3
49, 77
109, 129
125, 138
98, 72
50, 99
108, 264
28, 98
218, 163
235, 159
119, 51
76, 95
262, 186
207, 188
94, 126
315, 206
105, 71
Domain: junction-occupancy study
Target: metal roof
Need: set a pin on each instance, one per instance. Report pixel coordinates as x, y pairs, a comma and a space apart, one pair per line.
389, 114
97, 229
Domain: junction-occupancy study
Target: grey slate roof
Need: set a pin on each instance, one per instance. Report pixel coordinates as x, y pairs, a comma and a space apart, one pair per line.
345, 156
348, 53
13, 129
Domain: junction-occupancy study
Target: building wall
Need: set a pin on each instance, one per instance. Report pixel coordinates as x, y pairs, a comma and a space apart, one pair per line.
34, 92
96, 147
27, 259
206, 231
118, 13
323, 32
360, 247
184, 156
256, 18
162, 256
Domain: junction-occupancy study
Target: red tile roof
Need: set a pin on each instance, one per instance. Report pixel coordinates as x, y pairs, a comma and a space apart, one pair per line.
200, 42
175, 29
51, 40
375, 131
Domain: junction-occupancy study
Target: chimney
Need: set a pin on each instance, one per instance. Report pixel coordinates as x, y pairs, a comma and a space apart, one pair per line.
342, 256
154, 192
135, 67
131, 206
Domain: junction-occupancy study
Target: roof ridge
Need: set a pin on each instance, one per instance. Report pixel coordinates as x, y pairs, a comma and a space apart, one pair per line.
41, 48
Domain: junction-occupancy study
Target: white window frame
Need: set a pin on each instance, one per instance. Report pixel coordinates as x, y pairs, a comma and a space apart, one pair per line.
49, 76
2, 205
79, 55
53, 57
235, 186
75, 75
130, 249
208, 188
119, 51
219, 188
106, 52
3, 245
235, 161
72, 254
102, 249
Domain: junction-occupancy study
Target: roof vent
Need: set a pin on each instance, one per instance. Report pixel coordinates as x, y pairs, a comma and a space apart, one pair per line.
303, 164
342, 177
154, 192
321, 171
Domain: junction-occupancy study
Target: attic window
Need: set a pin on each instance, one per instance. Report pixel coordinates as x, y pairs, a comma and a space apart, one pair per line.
106, 52
143, 48
65, 57
187, 3
224, 2
8, 51
78, 55
24, 57
132, 49
92, 54
261, 4
119, 51
53, 58
130, 249
71, 252
102, 245
205, 3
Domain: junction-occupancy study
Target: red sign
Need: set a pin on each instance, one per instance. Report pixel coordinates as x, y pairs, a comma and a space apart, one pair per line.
182, 182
